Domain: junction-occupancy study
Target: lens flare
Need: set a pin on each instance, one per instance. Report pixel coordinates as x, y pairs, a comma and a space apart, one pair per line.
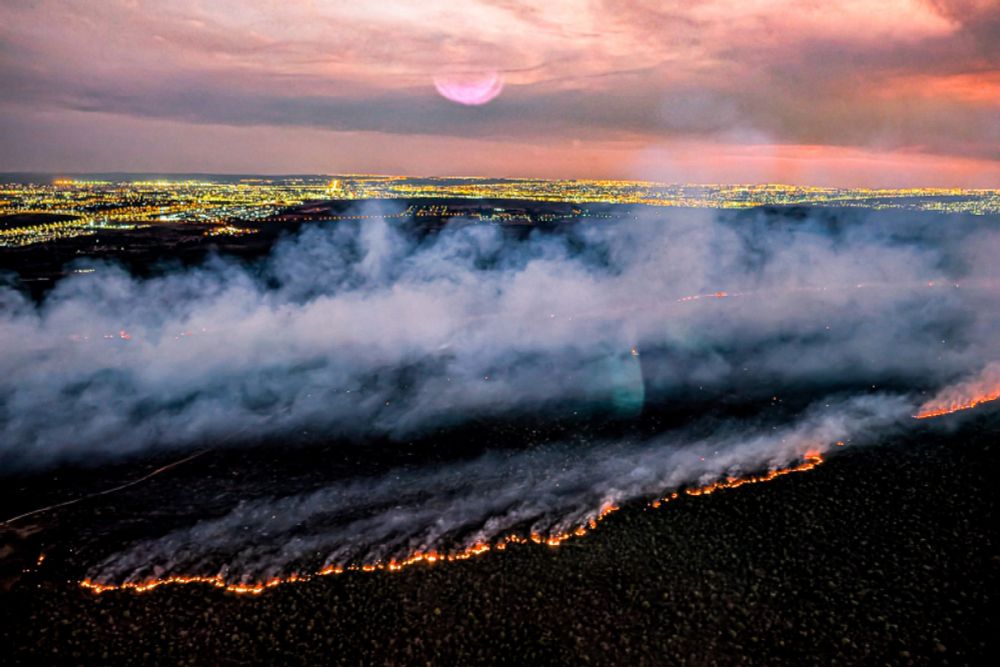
469, 89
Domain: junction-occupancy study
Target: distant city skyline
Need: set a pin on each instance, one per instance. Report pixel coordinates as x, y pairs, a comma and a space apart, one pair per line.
896, 93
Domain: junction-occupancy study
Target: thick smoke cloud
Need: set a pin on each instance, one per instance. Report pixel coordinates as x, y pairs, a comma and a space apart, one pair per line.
361, 328
354, 330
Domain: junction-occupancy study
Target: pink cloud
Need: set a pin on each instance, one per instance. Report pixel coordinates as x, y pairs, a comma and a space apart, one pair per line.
912, 80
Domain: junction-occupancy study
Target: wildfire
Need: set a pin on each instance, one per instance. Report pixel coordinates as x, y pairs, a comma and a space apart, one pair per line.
965, 395
811, 460
928, 410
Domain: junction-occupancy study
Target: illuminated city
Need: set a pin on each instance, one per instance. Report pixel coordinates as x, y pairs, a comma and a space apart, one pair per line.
64, 208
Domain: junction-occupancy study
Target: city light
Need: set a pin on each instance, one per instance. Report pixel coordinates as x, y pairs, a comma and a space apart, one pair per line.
64, 208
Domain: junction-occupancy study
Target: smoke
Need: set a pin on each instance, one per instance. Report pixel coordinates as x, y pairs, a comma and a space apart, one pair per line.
361, 328
375, 329
549, 490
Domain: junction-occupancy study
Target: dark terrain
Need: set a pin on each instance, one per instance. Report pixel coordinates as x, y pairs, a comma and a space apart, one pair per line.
29, 219
885, 554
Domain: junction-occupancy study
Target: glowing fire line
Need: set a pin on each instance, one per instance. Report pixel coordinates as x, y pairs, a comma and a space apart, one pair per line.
929, 411
811, 461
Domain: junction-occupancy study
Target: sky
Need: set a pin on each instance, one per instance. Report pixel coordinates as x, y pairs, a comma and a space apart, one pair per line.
876, 93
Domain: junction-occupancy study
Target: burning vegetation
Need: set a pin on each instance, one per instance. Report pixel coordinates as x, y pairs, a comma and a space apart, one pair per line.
811, 461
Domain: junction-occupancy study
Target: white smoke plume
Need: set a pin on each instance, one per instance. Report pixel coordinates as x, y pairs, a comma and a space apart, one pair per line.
355, 330
361, 327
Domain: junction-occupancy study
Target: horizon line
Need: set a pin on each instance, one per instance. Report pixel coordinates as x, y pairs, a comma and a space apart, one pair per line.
56, 174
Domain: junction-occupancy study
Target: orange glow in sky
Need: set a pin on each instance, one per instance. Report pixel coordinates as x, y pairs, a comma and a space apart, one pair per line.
849, 92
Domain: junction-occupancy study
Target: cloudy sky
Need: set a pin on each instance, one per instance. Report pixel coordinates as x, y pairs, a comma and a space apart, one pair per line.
841, 92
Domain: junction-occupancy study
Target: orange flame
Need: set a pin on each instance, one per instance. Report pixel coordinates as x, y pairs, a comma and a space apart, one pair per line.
812, 459
928, 410
965, 395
